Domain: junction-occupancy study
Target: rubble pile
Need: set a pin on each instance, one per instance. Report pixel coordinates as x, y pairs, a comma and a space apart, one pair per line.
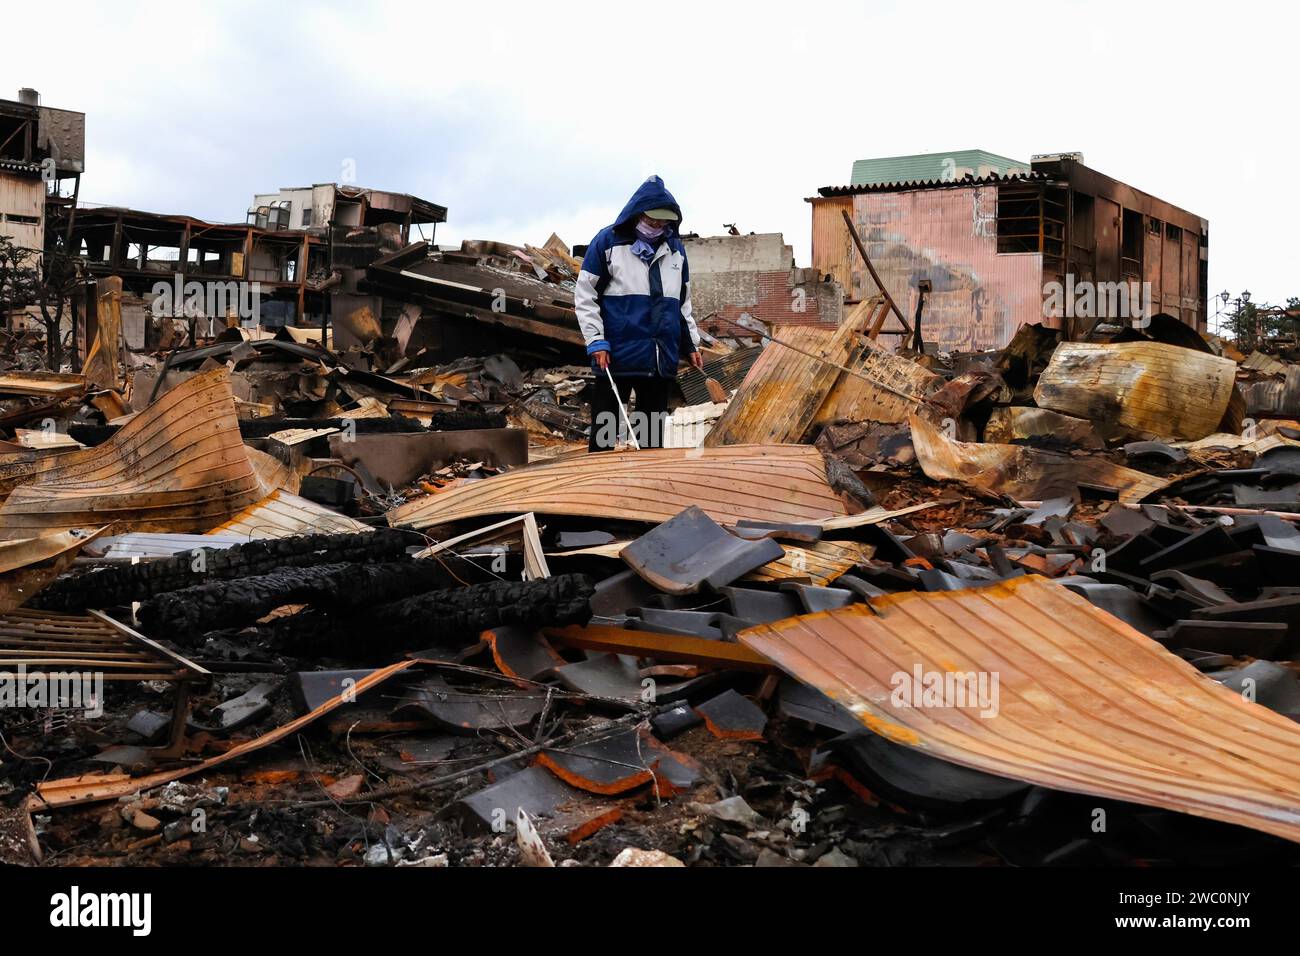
865, 607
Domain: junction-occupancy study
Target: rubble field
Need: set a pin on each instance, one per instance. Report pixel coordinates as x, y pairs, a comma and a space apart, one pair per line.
268, 602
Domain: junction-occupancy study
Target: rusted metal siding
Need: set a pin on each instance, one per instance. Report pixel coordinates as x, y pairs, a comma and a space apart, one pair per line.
1153, 245
1084, 702
1170, 282
832, 249
282, 515
1274, 396
764, 482
1149, 387
180, 465
1172, 272
62, 133
1190, 280
948, 236
947, 233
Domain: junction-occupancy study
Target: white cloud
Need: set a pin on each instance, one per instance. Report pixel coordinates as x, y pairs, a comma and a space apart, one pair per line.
524, 118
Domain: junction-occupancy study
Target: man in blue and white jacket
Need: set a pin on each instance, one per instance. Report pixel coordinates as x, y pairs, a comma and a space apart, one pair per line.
633, 301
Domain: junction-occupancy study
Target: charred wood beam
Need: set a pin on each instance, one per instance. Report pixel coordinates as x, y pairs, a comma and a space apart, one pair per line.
344, 587
118, 586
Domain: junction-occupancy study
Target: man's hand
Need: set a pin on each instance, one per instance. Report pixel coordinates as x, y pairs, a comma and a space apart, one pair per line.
601, 358
697, 360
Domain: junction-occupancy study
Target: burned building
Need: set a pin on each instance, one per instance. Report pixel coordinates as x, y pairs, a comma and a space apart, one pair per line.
1004, 245
42, 157
154, 252
522, 294
326, 205
357, 226
301, 274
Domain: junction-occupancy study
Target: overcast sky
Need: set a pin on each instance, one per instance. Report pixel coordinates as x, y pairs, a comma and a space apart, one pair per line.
527, 118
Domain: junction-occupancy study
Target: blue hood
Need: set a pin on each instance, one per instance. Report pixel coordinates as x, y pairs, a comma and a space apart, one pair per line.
651, 194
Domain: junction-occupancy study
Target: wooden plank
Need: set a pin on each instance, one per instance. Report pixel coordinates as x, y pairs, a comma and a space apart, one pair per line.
183, 662
897, 387
786, 386
662, 647
819, 563
102, 369
94, 663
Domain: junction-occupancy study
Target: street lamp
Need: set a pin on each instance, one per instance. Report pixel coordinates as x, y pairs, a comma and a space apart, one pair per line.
1245, 296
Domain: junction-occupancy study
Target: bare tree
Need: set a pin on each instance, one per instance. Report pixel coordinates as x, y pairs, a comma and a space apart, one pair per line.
62, 279
19, 278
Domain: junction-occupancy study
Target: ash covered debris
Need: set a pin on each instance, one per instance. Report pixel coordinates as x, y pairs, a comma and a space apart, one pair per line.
653, 687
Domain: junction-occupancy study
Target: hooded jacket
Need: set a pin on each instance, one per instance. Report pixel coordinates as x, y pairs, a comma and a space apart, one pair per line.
640, 313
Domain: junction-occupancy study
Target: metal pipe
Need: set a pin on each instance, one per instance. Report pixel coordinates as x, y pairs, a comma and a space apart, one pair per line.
631, 437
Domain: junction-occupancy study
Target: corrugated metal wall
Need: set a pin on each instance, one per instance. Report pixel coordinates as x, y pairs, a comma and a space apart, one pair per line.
832, 250
948, 236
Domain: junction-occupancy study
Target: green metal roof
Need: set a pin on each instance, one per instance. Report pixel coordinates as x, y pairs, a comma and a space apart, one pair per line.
925, 167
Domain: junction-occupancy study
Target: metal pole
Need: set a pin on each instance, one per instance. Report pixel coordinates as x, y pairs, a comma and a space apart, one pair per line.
630, 435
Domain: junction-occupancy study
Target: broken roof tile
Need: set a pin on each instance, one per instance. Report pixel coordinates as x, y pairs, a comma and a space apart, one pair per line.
468, 711
691, 550
730, 716
521, 652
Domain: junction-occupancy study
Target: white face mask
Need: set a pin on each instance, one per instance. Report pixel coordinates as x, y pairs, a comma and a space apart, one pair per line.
649, 233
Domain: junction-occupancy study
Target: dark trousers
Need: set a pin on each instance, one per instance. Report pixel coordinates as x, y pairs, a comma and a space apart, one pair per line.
647, 420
